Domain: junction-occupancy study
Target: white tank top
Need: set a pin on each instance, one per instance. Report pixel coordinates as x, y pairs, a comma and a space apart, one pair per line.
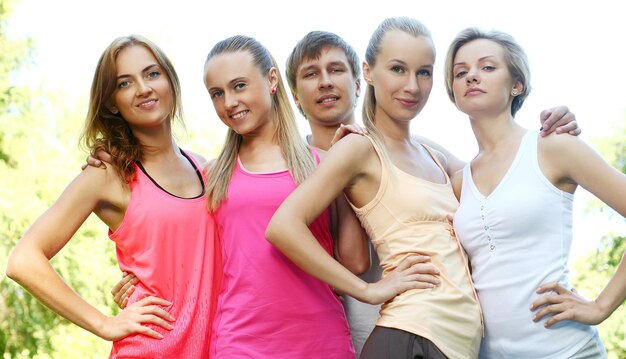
517, 238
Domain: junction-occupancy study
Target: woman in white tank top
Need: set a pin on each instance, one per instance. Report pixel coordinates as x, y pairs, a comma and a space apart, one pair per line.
517, 181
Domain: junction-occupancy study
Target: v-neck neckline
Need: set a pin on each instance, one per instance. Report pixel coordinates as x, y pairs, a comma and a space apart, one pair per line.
504, 179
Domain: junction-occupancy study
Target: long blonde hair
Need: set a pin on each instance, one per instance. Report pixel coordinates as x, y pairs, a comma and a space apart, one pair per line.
407, 25
295, 151
110, 131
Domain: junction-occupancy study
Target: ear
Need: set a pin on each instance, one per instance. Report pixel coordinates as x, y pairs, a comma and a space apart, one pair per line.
113, 109
357, 93
518, 88
296, 100
367, 73
272, 77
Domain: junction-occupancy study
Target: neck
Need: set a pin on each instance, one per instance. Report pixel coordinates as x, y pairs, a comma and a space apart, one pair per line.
493, 132
321, 135
157, 143
392, 130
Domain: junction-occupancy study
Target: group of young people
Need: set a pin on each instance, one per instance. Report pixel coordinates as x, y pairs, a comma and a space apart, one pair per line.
245, 256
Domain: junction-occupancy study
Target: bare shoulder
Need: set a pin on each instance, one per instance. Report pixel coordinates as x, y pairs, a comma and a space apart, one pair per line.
563, 145
359, 144
354, 152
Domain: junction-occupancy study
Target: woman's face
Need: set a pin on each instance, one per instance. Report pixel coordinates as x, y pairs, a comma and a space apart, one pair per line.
482, 82
143, 93
241, 94
403, 75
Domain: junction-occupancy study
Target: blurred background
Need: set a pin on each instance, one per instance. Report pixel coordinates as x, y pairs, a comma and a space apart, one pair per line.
49, 50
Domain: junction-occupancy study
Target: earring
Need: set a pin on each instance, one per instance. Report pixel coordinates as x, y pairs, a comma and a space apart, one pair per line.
114, 110
273, 90
514, 93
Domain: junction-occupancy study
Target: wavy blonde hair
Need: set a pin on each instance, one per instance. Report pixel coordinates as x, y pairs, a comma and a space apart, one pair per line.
295, 151
109, 131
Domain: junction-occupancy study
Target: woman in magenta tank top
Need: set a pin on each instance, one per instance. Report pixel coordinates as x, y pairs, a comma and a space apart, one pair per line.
152, 200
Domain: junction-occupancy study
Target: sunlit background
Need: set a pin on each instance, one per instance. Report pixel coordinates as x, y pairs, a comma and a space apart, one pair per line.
576, 49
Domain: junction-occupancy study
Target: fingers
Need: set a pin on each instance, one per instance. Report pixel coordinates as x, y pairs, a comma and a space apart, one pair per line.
157, 320
423, 281
121, 298
570, 127
152, 300
550, 117
124, 289
345, 130
411, 261
552, 286
149, 332
92, 161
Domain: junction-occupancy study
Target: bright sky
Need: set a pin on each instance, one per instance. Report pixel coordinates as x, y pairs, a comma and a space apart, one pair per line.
576, 51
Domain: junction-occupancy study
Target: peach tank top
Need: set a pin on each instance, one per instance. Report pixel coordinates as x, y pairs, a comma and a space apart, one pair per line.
408, 216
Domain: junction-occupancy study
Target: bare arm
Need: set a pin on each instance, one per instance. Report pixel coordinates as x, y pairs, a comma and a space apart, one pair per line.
583, 166
288, 229
351, 241
29, 263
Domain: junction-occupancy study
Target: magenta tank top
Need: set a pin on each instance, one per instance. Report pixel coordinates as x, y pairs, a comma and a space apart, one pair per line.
170, 244
268, 306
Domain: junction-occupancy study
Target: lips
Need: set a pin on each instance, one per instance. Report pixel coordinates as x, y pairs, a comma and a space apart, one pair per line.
147, 104
328, 99
239, 114
408, 102
473, 91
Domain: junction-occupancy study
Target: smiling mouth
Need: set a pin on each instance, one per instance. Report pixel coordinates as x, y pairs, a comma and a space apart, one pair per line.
328, 100
147, 103
239, 115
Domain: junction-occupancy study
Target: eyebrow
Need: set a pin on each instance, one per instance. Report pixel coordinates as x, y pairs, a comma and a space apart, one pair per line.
479, 60
142, 71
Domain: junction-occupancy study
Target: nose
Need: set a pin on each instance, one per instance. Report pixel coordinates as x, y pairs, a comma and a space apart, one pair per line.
412, 85
325, 80
472, 77
143, 89
230, 100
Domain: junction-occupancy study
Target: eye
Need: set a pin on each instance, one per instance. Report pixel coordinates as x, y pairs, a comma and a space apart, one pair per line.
424, 73
337, 69
398, 69
460, 74
153, 74
309, 74
489, 68
216, 94
240, 86
123, 84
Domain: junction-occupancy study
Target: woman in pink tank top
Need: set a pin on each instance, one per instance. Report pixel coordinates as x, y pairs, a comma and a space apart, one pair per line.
268, 307
151, 199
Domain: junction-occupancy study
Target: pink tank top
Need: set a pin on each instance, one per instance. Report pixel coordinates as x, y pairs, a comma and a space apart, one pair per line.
269, 307
170, 244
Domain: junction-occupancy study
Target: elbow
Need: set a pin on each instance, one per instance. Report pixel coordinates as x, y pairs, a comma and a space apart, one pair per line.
360, 268
16, 265
272, 232
357, 267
